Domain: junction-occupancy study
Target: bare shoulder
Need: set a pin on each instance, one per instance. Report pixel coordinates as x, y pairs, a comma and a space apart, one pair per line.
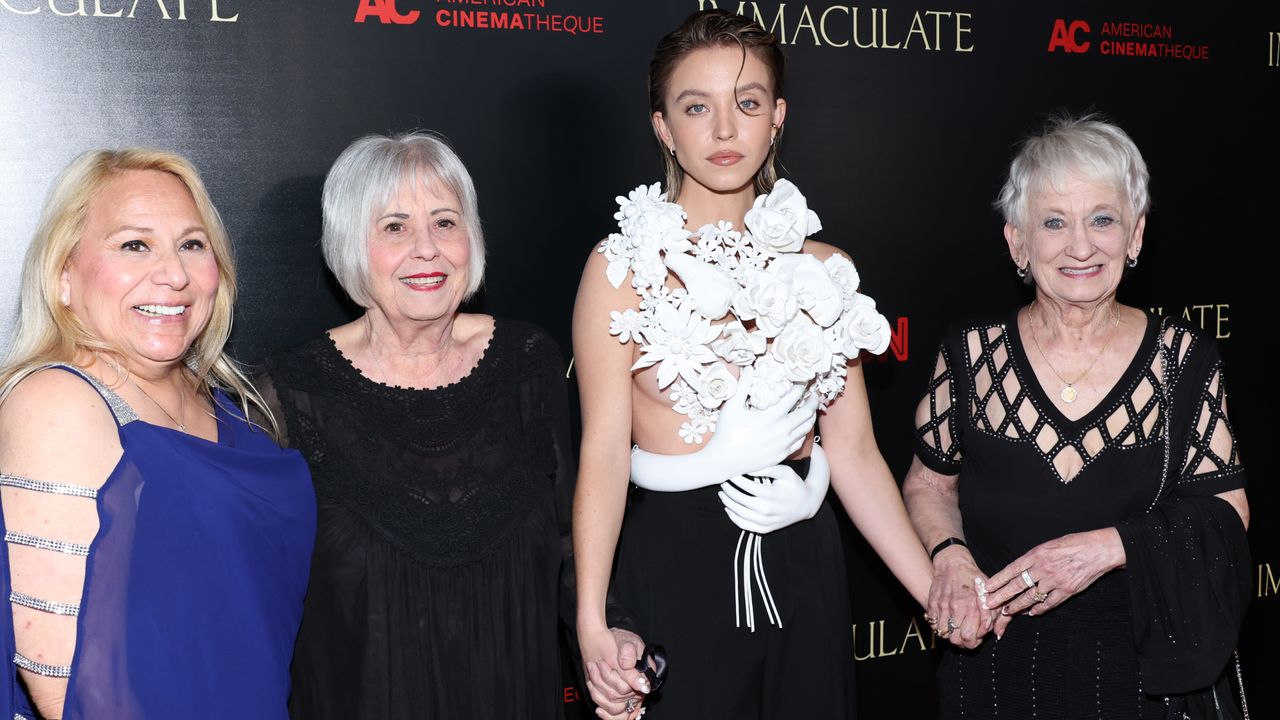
597, 290
822, 250
57, 427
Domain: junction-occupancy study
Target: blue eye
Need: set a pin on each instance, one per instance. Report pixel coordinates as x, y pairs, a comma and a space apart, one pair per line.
1054, 224
696, 109
1103, 221
749, 104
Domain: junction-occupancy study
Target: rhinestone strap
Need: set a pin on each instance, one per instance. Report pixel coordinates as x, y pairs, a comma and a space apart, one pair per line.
20, 716
17, 481
40, 543
35, 603
39, 668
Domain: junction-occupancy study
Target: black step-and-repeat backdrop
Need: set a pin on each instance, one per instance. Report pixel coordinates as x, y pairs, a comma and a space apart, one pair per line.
903, 117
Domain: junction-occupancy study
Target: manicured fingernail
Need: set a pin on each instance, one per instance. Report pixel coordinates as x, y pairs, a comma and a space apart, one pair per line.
644, 686
1004, 610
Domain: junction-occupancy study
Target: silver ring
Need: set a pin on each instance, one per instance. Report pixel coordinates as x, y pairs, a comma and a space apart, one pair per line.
632, 703
951, 625
1026, 578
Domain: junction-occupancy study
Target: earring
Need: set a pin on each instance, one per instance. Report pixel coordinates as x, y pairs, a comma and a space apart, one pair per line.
66, 300
771, 139
1022, 271
1131, 262
673, 151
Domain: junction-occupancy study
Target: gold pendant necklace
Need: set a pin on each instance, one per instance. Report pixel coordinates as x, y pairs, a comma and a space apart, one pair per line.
1069, 393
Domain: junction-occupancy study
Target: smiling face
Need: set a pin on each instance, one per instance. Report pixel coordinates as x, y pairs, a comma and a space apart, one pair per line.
143, 276
1076, 240
419, 251
720, 117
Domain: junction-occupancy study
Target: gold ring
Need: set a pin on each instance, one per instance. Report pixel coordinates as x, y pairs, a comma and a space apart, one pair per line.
1039, 597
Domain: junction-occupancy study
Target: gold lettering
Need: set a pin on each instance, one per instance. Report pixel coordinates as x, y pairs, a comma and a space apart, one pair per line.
1272, 584
917, 28
5, 4
1201, 308
1273, 49
78, 11
913, 631
937, 26
164, 12
805, 15
704, 4
97, 10
779, 26
873, 30
884, 29
871, 644
217, 18
1222, 320
882, 652
822, 24
962, 30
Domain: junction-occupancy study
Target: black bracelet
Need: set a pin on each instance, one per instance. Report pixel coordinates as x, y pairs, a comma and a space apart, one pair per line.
944, 545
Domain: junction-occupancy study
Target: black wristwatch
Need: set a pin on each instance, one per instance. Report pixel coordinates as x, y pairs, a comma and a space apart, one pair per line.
944, 545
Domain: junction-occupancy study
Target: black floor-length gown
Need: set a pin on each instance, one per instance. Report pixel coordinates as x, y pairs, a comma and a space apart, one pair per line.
434, 584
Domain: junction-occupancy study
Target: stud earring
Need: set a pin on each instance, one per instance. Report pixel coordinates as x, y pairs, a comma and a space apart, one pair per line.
66, 300
1131, 262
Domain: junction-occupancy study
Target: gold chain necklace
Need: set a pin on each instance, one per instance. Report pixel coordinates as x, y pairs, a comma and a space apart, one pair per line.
182, 403
1069, 393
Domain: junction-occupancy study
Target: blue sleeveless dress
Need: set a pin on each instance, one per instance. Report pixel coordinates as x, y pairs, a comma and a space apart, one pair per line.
194, 583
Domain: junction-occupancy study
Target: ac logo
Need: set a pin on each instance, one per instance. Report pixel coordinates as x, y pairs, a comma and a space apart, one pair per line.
385, 11
1065, 38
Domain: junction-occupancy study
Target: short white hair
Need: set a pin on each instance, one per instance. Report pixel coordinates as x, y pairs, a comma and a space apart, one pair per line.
364, 179
1089, 146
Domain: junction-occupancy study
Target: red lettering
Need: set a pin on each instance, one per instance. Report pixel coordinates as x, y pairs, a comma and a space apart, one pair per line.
570, 694
898, 340
1064, 36
385, 11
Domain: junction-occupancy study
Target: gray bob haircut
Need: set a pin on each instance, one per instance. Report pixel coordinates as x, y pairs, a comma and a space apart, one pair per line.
363, 180
1088, 146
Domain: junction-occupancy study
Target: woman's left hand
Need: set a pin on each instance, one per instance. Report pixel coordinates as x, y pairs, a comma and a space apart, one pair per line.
1057, 569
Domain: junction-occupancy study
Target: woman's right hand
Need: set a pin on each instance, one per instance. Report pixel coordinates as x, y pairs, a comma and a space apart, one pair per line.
746, 440
956, 598
609, 657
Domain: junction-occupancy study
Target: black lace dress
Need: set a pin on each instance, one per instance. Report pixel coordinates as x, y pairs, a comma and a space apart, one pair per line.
434, 581
1164, 625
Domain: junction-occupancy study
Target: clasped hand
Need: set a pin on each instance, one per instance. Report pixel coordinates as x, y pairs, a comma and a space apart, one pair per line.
748, 441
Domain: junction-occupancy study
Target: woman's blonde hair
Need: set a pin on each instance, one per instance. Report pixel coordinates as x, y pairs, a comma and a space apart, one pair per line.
48, 331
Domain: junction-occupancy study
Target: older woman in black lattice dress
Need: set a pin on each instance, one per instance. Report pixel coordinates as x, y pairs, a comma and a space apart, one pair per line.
1076, 478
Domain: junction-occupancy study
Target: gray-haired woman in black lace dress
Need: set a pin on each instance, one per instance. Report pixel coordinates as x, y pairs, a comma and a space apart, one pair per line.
1076, 478
438, 442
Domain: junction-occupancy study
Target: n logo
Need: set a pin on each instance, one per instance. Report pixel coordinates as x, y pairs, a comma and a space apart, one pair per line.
1065, 38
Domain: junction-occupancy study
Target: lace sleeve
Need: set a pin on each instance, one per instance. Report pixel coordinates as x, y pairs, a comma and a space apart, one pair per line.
938, 434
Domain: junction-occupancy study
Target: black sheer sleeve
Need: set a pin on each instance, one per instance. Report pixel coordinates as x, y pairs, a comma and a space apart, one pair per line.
266, 388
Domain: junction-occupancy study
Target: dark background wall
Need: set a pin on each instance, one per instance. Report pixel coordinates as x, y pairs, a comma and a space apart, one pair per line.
899, 136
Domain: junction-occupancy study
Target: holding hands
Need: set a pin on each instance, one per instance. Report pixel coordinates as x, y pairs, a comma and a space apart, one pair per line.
957, 608
1051, 572
617, 687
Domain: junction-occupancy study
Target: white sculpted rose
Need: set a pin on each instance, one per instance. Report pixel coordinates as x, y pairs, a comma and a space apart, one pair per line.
845, 276
782, 219
739, 345
862, 328
716, 385
802, 350
768, 301
769, 383
815, 291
